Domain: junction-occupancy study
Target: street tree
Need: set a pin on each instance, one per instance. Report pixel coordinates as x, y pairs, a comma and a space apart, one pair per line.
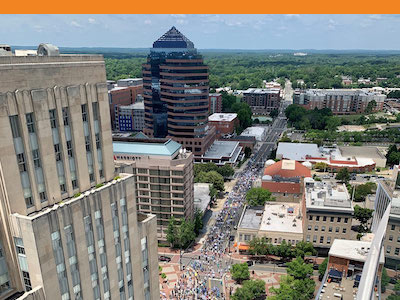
343, 175
258, 196
363, 215
322, 267
304, 248
226, 171
385, 279
240, 272
250, 290
172, 231
198, 221
211, 177
320, 166
362, 191
284, 250
186, 233
299, 269
293, 289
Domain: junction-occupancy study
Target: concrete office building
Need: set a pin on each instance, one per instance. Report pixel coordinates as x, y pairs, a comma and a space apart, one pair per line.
164, 178
340, 101
262, 101
176, 90
328, 213
74, 228
130, 117
277, 222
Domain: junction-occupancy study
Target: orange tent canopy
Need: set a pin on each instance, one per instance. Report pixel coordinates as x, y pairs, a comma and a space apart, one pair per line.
243, 247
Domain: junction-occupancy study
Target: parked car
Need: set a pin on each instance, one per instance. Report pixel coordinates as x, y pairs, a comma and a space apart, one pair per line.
283, 265
164, 258
326, 177
315, 267
249, 263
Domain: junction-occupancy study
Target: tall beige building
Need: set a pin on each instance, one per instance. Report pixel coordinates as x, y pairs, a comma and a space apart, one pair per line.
328, 213
69, 225
164, 178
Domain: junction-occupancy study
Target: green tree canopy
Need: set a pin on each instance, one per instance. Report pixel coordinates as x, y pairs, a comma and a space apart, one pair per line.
362, 191
343, 175
304, 249
258, 196
363, 215
322, 267
211, 177
250, 290
240, 272
299, 269
385, 279
293, 289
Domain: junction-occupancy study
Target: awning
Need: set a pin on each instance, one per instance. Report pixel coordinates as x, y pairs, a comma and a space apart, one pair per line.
335, 274
243, 247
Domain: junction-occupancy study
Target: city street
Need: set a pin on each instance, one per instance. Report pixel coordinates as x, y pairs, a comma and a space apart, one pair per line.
201, 272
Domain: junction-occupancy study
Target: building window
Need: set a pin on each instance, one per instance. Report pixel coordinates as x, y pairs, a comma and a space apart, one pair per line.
332, 219
322, 228
324, 218
65, 114
316, 228
398, 239
388, 249
339, 219
53, 118
396, 251
321, 240
309, 227
84, 112
337, 229
390, 237
308, 238
317, 218
29, 123
314, 239
346, 220
328, 240
330, 229
21, 162
344, 230
393, 227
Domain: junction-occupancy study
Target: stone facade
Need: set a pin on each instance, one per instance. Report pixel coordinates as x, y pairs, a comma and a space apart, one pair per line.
73, 230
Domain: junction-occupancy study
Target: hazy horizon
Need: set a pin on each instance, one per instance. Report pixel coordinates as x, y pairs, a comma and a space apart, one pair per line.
220, 32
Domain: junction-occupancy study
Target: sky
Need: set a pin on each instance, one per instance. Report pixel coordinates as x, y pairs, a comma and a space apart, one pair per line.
292, 31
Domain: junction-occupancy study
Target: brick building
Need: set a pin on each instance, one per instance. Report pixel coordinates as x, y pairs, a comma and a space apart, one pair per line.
262, 101
224, 123
215, 103
284, 179
122, 95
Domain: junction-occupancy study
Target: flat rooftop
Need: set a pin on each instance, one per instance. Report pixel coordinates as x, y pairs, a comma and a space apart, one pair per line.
168, 148
222, 117
362, 151
353, 250
322, 195
137, 105
262, 91
201, 196
297, 151
220, 149
252, 217
347, 92
282, 217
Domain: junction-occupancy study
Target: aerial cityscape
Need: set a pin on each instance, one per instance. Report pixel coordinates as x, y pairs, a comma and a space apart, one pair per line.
164, 169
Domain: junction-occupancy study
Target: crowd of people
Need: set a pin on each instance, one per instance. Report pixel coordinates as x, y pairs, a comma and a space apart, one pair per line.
212, 262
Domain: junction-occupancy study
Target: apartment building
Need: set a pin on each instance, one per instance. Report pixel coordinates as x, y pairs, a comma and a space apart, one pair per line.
69, 229
164, 178
215, 103
339, 101
125, 92
130, 117
328, 213
262, 101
